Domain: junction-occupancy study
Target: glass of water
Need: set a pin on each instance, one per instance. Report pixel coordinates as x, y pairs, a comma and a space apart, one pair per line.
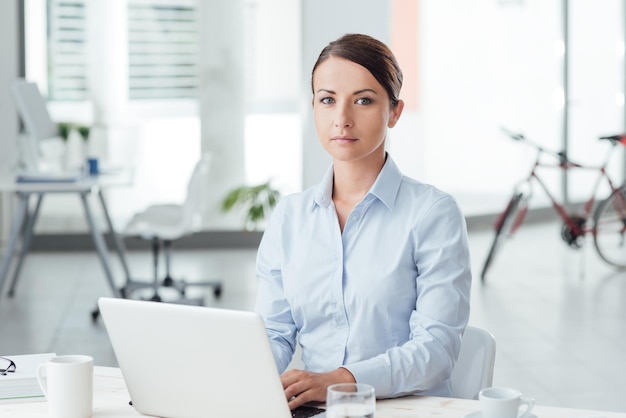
350, 400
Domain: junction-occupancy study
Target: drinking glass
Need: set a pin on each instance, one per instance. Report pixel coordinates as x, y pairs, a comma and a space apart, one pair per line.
350, 400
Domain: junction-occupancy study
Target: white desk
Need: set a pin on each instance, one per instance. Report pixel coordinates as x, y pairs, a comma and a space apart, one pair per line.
25, 217
111, 400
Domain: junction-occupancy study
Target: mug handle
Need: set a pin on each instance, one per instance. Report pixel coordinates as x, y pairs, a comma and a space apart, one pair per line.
529, 402
42, 385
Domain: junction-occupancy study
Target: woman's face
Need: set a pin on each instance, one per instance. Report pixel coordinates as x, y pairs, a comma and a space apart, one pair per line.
352, 110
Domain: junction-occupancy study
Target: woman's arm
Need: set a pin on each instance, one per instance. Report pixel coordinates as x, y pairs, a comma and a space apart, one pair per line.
271, 303
441, 312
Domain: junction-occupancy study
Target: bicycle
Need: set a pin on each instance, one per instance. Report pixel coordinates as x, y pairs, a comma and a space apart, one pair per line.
609, 216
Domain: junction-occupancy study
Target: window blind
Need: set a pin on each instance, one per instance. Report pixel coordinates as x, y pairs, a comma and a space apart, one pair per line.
66, 50
163, 49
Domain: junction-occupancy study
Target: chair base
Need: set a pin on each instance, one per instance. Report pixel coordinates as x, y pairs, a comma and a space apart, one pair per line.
180, 286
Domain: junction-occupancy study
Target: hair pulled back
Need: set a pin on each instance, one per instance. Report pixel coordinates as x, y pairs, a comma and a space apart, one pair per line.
370, 53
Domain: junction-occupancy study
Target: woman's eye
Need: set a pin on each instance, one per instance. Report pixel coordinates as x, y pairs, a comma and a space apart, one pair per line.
326, 100
364, 101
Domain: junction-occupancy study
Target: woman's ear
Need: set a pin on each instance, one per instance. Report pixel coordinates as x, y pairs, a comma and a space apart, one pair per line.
396, 111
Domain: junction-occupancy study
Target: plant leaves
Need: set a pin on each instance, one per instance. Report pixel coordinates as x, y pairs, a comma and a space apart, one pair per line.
257, 200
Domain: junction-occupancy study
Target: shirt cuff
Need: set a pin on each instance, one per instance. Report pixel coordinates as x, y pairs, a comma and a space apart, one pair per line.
374, 372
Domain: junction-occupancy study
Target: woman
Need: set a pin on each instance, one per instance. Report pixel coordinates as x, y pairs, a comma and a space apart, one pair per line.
369, 271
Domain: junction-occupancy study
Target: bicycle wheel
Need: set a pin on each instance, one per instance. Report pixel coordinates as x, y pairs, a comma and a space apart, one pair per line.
609, 228
506, 225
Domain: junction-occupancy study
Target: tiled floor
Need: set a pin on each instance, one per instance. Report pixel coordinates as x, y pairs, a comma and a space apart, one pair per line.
558, 315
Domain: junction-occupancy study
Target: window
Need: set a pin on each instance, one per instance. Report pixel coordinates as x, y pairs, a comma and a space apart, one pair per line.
66, 46
162, 49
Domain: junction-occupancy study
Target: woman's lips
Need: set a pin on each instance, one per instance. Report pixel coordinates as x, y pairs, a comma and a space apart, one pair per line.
343, 139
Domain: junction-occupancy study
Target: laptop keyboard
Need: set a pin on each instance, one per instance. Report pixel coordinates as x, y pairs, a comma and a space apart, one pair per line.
306, 412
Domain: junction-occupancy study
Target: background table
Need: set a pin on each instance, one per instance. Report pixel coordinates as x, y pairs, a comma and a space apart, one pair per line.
111, 400
25, 217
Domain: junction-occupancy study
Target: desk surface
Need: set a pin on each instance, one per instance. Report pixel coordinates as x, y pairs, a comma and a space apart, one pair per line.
121, 177
111, 400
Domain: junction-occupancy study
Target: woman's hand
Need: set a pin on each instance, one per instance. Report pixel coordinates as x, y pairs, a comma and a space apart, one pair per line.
302, 386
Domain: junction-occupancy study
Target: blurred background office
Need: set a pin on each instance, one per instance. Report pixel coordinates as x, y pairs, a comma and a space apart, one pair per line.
161, 81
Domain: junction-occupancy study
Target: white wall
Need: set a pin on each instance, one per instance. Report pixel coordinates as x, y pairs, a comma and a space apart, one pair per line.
274, 63
597, 93
487, 64
221, 100
324, 21
8, 117
273, 137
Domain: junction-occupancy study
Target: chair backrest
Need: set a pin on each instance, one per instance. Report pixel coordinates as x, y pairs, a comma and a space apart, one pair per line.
196, 199
31, 107
474, 367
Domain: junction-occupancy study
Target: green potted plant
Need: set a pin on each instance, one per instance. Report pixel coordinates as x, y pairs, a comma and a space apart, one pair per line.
64, 130
84, 131
256, 200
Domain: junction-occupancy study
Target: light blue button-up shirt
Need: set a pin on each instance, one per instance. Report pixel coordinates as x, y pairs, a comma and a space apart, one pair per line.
388, 299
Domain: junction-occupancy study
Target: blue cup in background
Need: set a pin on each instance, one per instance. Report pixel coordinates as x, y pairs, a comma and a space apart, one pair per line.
92, 165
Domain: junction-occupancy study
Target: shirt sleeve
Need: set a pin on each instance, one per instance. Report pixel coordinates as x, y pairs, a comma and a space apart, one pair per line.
271, 303
441, 312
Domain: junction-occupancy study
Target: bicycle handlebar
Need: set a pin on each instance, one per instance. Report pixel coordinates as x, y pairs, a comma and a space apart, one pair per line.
561, 155
514, 135
615, 139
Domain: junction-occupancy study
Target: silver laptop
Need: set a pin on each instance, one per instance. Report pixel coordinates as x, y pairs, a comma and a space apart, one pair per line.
192, 361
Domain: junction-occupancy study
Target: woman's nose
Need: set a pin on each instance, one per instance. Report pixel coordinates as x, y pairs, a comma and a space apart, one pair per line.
343, 118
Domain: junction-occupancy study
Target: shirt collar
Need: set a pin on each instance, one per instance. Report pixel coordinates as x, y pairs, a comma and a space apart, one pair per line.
385, 188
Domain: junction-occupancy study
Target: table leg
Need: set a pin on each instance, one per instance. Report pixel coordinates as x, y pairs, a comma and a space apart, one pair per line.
26, 236
131, 285
16, 227
120, 248
98, 240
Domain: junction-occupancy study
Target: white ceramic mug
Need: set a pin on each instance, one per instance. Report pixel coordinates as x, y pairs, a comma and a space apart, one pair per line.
502, 402
68, 386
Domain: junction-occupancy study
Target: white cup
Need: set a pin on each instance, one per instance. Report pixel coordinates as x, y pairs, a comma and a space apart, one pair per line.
68, 386
500, 402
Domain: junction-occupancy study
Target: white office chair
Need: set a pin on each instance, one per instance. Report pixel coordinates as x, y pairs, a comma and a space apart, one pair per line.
162, 224
31, 107
474, 368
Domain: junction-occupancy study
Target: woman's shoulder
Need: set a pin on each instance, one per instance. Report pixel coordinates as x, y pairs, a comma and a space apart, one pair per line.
304, 198
419, 197
415, 187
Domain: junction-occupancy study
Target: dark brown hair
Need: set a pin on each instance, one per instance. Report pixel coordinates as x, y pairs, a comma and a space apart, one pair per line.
370, 53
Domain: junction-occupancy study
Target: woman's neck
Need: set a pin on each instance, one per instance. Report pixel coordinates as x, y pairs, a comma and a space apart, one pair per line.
353, 179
